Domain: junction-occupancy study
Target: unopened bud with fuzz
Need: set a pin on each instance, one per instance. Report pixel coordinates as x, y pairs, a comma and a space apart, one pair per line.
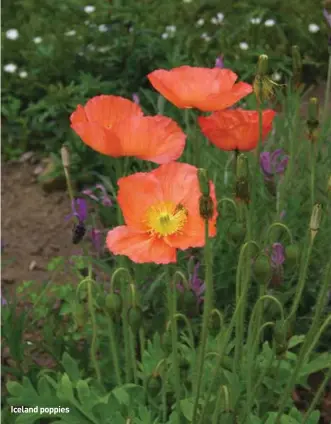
114, 304
262, 269
135, 318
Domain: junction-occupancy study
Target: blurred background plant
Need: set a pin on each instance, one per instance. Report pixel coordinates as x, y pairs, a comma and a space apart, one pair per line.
57, 55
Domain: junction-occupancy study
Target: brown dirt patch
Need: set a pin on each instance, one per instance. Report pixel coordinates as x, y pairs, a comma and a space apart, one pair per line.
33, 226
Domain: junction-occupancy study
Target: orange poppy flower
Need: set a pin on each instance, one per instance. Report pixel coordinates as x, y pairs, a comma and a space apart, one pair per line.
236, 129
116, 127
161, 212
202, 88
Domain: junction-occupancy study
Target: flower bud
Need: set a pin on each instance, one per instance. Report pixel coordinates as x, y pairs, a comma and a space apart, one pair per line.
114, 304
242, 166
237, 232
313, 112
214, 324
154, 385
315, 219
65, 156
262, 269
292, 254
79, 315
135, 318
262, 65
189, 300
203, 181
206, 207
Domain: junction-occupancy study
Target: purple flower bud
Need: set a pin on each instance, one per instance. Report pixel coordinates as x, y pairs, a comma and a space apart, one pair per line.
277, 255
135, 98
273, 164
79, 209
219, 63
3, 300
103, 198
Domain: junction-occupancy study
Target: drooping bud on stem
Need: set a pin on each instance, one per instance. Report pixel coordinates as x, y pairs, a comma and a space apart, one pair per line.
206, 204
296, 65
315, 220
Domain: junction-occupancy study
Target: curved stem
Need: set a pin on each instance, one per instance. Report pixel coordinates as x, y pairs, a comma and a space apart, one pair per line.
188, 325
281, 225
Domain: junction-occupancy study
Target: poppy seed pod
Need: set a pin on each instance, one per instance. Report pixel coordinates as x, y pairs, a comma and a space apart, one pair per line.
114, 304
135, 318
262, 269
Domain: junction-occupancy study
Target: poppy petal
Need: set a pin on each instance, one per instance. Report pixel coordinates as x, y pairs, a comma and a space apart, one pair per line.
136, 194
203, 88
156, 138
139, 247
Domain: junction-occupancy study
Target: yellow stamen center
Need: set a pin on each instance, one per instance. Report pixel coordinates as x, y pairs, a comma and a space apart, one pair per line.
165, 218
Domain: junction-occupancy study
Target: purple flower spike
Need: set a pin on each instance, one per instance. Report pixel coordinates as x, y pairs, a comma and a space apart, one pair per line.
104, 198
277, 256
79, 209
135, 98
327, 16
219, 63
273, 164
198, 286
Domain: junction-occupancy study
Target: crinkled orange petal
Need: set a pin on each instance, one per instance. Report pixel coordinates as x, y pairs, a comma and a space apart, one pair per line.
236, 129
203, 88
136, 194
155, 138
98, 138
179, 184
109, 110
139, 247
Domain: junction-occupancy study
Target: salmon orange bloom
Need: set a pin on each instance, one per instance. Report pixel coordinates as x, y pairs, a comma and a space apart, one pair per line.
115, 126
236, 129
161, 213
207, 89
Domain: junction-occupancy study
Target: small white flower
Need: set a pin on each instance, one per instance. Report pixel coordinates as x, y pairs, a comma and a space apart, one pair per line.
89, 9
214, 20
12, 34
103, 28
269, 22
255, 21
70, 33
103, 49
313, 28
37, 40
171, 28
165, 35
205, 37
276, 76
187, 1
87, 22
220, 17
243, 45
200, 22
10, 67
91, 47
23, 74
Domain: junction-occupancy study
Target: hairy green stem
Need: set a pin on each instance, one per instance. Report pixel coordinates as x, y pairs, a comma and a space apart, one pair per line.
208, 304
114, 351
327, 89
94, 331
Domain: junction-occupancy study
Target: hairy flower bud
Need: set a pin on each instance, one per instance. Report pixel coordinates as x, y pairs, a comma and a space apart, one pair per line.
154, 385
292, 254
262, 269
237, 232
315, 220
313, 111
114, 304
206, 207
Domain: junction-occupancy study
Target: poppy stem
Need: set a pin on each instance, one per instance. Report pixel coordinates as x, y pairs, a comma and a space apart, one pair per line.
172, 302
94, 330
113, 351
208, 305
313, 156
327, 89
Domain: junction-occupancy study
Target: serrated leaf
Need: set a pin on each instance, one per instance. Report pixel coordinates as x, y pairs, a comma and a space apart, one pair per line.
65, 389
71, 367
83, 392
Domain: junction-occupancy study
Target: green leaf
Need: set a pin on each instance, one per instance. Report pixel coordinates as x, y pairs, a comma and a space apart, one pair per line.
14, 388
71, 367
314, 418
65, 389
321, 362
83, 391
295, 340
186, 405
